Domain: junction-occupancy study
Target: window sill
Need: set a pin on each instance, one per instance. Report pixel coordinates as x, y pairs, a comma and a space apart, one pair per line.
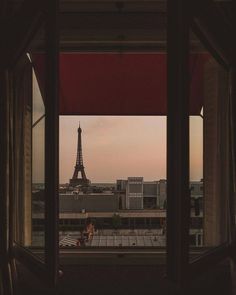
113, 256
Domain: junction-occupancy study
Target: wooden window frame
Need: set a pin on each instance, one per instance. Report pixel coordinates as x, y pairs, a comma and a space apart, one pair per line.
216, 38
30, 17
180, 17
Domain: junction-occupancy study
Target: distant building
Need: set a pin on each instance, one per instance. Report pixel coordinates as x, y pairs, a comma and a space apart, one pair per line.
137, 194
162, 193
121, 184
134, 193
150, 195
196, 193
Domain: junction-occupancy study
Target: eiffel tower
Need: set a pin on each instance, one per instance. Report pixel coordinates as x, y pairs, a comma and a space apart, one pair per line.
79, 167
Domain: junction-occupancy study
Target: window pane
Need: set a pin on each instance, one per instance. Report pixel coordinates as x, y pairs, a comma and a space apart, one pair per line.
209, 153
30, 148
38, 167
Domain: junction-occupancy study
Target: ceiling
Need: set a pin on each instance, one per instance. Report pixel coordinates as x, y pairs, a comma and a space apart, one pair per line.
109, 25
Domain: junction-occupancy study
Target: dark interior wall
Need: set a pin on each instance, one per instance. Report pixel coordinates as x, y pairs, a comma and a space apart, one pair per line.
123, 279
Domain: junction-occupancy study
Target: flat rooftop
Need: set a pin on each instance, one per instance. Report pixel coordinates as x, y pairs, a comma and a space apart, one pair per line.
120, 238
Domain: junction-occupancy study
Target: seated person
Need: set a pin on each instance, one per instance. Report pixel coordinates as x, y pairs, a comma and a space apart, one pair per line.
89, 230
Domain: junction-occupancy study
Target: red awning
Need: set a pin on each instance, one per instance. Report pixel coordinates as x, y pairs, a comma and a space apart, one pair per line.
119, 83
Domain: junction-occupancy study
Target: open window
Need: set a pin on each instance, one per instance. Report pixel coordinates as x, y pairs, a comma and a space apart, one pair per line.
118, 60
212, 196
209, 146
32, 124
201, 177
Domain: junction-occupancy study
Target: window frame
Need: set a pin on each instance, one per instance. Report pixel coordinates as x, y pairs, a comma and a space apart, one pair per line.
179, 22
203, 18
27, 20
180, 18
215, 37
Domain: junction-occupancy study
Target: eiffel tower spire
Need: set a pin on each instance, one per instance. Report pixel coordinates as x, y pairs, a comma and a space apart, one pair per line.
79, 166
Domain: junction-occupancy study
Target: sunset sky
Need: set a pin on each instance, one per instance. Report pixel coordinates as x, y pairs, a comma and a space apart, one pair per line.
121, 146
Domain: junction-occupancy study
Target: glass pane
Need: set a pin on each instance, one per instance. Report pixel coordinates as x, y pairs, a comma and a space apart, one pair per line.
29, 139
209, 153
38, 166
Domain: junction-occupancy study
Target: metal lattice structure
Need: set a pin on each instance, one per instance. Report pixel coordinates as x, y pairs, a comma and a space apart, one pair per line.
79, 166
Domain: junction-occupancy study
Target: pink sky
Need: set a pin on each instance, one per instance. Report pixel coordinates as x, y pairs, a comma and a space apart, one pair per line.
116, 147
